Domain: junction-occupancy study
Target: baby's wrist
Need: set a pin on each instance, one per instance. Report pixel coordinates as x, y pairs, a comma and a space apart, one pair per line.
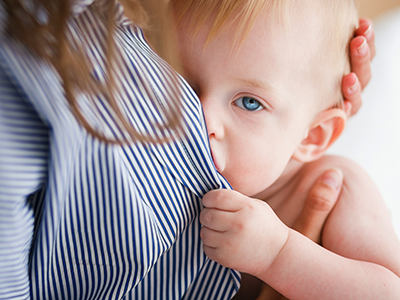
281, 243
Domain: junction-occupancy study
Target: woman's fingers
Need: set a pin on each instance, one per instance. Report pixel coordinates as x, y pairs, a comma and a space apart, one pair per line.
351, 90
362, 50
360, 59
366, 29
319, 203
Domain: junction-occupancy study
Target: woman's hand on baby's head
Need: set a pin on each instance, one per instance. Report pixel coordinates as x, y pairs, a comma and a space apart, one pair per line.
362, 51
240, 232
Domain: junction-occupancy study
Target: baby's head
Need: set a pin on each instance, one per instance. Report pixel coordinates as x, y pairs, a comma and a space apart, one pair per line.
270, 93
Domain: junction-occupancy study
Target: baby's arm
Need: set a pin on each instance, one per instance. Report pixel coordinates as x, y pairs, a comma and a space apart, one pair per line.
359, 231
246, 235
319, 201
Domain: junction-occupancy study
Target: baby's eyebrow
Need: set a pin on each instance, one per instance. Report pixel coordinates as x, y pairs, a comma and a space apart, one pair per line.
257, 83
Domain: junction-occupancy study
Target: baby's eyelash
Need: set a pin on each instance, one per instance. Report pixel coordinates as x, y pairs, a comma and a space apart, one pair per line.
249, 104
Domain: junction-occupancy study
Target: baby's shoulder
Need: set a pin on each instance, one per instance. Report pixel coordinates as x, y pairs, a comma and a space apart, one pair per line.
358, 189
353, 174
359, 194
359, 219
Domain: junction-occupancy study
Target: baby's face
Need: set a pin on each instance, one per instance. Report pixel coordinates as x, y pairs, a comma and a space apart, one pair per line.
258, 101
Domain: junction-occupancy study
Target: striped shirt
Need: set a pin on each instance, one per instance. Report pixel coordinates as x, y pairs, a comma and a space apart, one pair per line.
82, 219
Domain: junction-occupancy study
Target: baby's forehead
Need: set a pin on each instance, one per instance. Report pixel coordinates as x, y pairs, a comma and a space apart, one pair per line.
331, 25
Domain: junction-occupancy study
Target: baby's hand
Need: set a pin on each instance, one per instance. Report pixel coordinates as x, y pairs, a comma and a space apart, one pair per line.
240, 232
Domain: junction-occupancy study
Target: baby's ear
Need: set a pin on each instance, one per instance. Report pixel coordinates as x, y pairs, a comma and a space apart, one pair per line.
324, 130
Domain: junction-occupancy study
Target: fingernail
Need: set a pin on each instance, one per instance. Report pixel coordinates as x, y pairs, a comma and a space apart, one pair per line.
362, 49
367, 33
347, 108
354, 87
333, 178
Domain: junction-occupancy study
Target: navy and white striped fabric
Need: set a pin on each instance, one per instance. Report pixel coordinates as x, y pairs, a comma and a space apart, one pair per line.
81, 219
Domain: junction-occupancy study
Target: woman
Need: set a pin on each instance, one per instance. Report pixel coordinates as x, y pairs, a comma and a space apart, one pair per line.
93, 205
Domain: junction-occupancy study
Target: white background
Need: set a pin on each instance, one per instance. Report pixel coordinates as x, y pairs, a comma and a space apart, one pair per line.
372, 137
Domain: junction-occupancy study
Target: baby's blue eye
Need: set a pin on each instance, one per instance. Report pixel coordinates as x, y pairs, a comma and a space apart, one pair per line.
248, 103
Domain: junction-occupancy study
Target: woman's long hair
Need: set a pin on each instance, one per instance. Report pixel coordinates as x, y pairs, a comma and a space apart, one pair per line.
49, 41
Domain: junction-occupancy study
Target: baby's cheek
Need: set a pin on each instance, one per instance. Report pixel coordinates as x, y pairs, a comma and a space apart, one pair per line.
247, 181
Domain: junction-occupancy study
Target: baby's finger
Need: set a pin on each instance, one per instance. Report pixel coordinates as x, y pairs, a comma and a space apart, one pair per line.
210, 237
351, 90
360, 59
366, 29
212, 253
215, 219
226, 200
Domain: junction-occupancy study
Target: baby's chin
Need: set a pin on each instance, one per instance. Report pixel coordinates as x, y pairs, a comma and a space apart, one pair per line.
245, 191
242, 187
259, 188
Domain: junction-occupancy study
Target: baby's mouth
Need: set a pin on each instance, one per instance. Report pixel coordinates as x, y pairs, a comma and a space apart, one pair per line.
218, 155
215, 161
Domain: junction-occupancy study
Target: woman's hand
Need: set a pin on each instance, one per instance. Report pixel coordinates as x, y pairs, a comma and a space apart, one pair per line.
319, 203
362, 51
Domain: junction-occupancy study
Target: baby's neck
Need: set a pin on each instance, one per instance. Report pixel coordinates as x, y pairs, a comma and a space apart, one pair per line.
282, 186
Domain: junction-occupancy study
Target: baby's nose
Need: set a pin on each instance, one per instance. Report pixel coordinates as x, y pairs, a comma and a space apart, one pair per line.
214, 121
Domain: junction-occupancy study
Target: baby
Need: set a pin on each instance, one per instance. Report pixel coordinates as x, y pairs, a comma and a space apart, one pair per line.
272, 103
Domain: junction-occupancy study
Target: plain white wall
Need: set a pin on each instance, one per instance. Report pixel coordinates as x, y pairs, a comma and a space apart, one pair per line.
372, 137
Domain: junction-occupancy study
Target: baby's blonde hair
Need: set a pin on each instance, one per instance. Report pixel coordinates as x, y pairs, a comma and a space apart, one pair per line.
339, 19
340, 22
244, 12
